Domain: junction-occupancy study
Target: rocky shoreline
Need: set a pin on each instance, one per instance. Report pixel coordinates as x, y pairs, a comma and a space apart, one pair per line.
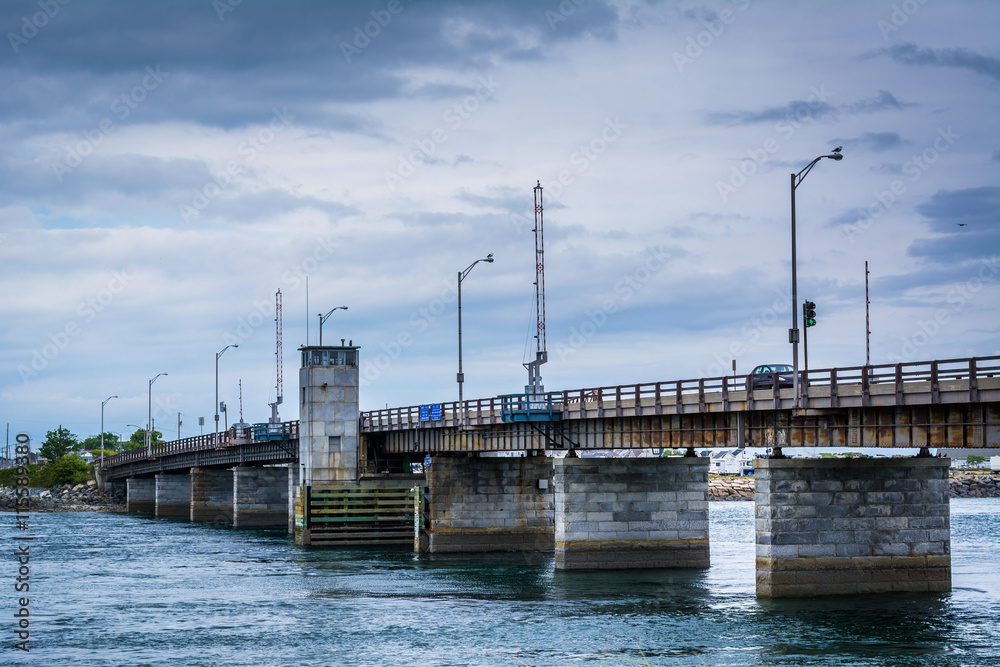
65, 498
87, 497
963, 485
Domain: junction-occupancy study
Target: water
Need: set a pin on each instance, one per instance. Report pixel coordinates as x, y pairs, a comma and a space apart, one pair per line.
124, 590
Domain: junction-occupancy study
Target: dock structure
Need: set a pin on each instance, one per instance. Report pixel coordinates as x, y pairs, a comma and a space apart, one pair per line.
516, 473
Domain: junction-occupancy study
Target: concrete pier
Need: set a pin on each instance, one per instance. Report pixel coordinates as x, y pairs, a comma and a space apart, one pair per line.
211, 495
173, 495
260, 497
631, 513
849, 526
140, 495
490, 504
293, 483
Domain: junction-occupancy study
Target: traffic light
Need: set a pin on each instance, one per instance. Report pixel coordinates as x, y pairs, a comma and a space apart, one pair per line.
809, 313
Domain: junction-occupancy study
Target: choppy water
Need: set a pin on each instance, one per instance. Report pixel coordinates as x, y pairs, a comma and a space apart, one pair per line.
123, 590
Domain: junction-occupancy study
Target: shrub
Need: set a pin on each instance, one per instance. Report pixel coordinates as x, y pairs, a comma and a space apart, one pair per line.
69, 469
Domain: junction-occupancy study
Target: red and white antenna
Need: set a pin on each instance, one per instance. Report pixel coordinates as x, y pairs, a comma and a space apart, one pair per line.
241, 400
534, 386
277, 357
868, 322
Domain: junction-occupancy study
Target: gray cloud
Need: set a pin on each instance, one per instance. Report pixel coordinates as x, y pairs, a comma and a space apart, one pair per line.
960, 58
876, 142
813, 108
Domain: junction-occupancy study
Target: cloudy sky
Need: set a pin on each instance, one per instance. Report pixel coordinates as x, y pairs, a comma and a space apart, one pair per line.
166, 168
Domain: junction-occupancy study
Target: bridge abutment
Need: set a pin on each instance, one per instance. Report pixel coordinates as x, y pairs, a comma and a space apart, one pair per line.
852, 526
173, 494
631, 513
490, 504
211, 495
140, 495
260, 496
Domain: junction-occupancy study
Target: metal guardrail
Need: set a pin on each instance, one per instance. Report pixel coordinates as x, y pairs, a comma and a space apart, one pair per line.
213, 441
490, 410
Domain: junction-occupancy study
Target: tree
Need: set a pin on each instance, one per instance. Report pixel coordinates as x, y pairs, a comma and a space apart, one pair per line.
94, 442
59, 442
138, 440
975, 459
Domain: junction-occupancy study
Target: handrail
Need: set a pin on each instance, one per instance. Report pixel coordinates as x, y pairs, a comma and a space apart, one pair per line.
212, 441
970, 369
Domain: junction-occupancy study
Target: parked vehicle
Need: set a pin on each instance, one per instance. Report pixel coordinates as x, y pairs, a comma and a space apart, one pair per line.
765, 375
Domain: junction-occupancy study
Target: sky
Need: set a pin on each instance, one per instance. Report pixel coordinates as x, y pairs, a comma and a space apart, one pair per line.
167, 168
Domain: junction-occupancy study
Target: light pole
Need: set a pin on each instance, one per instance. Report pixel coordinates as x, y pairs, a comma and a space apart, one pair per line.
103, 403
149, 414
793, 333
461, 375
324, 318
217, 355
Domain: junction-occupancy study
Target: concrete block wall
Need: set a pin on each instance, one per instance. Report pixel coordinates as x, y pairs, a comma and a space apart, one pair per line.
631, 513
140, 495
211, 495
173, 495
294, 475
490, 504
850, 526
260, 496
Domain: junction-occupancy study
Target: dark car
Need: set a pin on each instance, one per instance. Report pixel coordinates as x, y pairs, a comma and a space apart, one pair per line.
764, 376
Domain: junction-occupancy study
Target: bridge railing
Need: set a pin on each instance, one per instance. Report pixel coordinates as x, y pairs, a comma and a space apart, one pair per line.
488, 410
234, 436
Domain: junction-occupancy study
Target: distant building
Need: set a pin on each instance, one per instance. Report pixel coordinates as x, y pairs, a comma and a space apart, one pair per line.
730, 461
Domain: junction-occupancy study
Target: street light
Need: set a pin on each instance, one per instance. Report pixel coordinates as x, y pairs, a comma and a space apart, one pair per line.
793, 333
149, 414
324, 318
217, 355
461, 375
103, 403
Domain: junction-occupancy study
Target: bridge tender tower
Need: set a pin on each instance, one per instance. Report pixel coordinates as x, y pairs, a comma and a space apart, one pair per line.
328, 415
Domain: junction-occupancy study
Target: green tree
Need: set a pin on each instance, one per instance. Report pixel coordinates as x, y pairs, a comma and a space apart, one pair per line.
138, 440
94, 442
975, 459
59, 442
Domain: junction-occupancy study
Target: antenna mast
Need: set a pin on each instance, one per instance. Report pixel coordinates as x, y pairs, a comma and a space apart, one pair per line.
534, 386
277, 356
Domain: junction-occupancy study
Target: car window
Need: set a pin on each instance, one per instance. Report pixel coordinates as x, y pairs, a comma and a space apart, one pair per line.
782, 369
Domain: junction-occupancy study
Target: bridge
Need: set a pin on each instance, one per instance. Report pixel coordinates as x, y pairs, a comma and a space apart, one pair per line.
341, 476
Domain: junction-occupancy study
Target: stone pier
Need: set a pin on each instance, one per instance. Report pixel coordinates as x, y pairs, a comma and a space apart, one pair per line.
211, 495
490, 504
631, 513
850, 526
260, 497
293, 483
173, 495
140, 495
